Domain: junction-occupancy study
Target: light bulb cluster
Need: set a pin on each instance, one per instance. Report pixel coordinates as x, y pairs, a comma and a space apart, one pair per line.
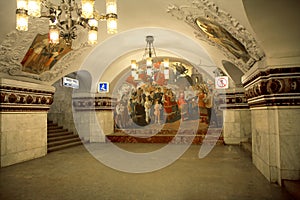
65, 17
148, 59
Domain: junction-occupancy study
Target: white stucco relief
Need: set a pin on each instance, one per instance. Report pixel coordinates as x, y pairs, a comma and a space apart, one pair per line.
209, 10
16, 44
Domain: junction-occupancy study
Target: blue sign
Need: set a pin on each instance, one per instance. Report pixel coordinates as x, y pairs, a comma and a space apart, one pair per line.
103, 87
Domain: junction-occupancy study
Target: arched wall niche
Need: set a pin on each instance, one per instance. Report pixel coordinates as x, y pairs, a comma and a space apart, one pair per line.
106, 54
85, 81
61, 111
123, 75
233, 71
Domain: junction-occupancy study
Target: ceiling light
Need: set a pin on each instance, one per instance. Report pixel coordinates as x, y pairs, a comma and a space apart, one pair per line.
147, 64
66, 17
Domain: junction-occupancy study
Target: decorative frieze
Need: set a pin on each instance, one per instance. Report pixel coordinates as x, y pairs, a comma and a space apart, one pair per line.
274, 87
94, 103
20, 96
24, 99
233, 100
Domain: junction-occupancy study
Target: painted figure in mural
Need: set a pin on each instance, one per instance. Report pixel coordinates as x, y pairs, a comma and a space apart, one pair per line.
158, 95
147, 106
201, 104
119, 112
170, 106
209, 104
33, 56
151, 99
218, 34
41, 56
191, 99
182, 105
157, 110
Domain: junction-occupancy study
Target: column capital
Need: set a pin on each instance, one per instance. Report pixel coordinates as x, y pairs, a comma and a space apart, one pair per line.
273, 87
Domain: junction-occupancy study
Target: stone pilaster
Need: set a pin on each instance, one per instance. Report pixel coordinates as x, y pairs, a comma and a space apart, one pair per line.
93, 116
274, 98
236, 116
23, 120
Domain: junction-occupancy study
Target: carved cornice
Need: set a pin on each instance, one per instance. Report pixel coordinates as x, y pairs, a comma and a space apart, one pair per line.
15, 99
274, 87
209, 10
94, 103
16, 44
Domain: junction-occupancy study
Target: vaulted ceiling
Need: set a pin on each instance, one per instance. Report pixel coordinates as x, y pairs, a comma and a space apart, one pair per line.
269, 30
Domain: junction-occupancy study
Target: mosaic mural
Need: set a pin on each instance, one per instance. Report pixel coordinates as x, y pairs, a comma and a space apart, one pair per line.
41, 56
186, 95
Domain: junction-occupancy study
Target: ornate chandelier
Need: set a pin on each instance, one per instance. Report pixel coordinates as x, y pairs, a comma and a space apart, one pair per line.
147, 66
66, 17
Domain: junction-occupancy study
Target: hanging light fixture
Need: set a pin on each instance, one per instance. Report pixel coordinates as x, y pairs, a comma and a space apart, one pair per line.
148, 59
22, 15
65, 18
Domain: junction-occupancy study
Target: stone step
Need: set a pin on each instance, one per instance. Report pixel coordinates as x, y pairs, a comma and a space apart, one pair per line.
54, 127
57, 131
51, 124
62, 142
63, 146
61, 137
58, 134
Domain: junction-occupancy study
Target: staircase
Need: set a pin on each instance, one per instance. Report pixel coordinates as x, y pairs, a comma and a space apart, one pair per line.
59, 138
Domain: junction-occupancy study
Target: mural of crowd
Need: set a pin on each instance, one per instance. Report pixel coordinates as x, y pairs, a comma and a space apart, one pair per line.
158, 104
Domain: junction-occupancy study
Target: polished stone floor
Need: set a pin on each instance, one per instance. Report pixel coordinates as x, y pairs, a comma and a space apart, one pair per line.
225, 173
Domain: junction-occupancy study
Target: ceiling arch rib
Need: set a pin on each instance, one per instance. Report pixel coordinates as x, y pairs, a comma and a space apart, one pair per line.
106, 53
233, 71
276, 25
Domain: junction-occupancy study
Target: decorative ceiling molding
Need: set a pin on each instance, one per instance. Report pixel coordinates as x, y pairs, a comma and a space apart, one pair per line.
211, 12
16, 44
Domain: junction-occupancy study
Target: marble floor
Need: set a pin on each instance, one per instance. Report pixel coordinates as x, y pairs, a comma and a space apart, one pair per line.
225, 173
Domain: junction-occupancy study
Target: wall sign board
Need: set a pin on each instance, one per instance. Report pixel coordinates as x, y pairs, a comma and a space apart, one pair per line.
221, 82
103, 87
70, 82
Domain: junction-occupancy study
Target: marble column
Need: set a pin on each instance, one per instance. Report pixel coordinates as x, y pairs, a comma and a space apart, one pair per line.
274, 98
23, 120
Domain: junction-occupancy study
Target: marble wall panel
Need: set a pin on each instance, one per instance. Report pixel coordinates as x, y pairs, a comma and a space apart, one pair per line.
276, 141
237, 126
290, 152
289, 123
261, 165
23, 136
105, 119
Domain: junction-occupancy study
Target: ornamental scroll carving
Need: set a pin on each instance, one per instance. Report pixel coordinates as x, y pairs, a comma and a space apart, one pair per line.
220, 25
16, 44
